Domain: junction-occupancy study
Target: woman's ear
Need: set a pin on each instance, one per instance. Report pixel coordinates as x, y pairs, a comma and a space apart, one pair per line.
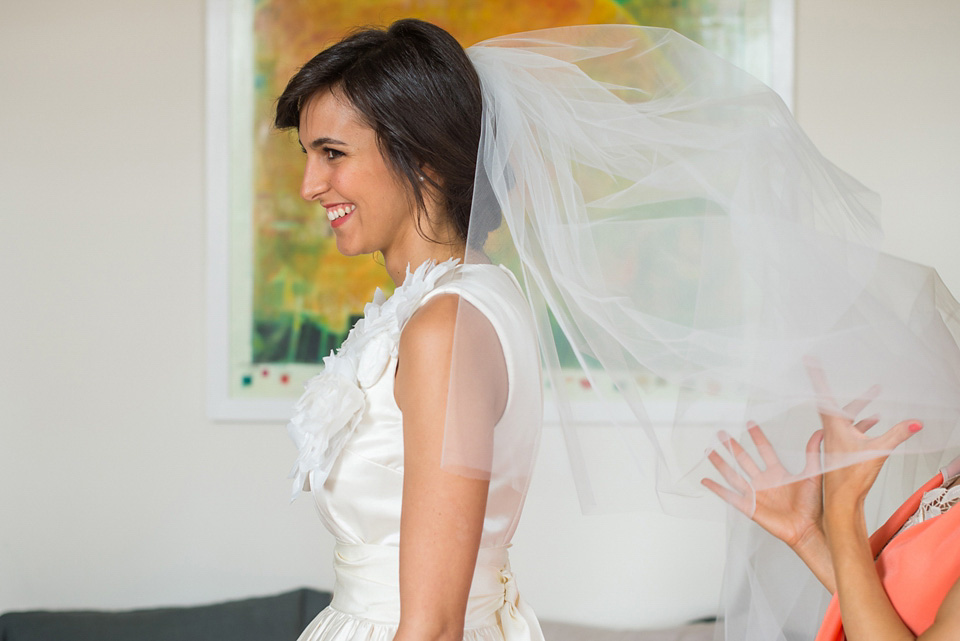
428, 177
441, 225
430, 186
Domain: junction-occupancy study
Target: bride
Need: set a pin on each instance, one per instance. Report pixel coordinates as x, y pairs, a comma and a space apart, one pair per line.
422, 531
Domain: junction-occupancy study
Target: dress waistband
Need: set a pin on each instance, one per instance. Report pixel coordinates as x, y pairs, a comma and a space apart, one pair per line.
368, 586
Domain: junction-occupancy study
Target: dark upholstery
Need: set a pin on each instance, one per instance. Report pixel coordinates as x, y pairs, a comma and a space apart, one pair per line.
273, 618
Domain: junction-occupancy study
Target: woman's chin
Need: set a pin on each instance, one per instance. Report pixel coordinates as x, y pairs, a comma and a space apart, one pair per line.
349, 249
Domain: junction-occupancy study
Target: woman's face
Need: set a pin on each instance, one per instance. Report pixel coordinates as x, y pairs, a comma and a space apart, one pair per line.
367, 206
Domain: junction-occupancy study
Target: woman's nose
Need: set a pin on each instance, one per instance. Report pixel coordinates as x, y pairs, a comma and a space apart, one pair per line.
316, 181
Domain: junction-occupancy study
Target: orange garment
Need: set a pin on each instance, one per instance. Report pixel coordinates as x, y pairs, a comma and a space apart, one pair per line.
917, 567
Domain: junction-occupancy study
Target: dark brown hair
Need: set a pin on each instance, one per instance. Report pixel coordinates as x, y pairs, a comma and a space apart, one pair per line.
414, 86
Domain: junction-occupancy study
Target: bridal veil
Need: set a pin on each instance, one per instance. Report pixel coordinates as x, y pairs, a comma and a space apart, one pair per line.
687, 253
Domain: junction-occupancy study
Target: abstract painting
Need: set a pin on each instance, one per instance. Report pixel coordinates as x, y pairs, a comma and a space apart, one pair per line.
281, 296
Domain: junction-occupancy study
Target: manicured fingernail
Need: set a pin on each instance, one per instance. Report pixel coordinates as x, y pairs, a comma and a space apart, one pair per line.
915, 427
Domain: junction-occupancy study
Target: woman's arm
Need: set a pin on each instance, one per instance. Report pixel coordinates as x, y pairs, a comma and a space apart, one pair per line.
865, 607
442, 513
947, 624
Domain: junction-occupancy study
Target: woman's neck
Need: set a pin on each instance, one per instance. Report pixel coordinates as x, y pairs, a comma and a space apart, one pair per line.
397, 262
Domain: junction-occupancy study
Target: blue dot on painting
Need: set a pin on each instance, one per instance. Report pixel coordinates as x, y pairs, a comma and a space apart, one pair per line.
247, 380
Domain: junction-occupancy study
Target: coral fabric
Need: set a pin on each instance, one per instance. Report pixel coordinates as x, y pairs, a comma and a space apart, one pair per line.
917, 568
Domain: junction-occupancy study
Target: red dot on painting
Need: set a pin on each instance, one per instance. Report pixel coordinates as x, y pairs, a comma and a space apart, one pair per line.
584, 383
285, 379
264, 372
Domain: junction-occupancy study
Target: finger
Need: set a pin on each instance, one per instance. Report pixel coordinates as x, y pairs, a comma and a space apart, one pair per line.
738, 501
728, 473
825, 400
744, 460
896, 435
764, 448
813, 466
867, 423
860, 403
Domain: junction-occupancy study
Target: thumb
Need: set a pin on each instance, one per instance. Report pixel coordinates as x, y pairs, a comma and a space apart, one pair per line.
892, 438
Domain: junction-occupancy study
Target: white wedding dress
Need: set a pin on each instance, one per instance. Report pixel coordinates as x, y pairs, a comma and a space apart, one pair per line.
350, 434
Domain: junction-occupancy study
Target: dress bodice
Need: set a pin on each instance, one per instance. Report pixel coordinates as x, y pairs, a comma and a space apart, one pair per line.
360, 500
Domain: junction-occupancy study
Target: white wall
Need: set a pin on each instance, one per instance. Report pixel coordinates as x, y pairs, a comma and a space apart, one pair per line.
116, 489
877, 91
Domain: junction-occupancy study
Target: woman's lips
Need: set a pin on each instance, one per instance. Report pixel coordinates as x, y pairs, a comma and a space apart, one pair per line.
339, 221
338, 214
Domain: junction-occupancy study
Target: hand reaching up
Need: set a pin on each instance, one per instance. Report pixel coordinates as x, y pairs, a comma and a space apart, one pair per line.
786, 505
852, 459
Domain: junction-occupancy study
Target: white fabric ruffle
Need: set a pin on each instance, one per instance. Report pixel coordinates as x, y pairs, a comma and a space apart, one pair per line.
936, 501
332, 403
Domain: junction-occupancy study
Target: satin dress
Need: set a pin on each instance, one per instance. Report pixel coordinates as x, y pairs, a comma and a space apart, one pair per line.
359, 498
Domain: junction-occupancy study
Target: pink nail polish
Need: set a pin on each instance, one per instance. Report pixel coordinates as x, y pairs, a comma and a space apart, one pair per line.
915, 427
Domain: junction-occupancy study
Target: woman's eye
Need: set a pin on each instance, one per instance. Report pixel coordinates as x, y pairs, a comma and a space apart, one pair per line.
332, 154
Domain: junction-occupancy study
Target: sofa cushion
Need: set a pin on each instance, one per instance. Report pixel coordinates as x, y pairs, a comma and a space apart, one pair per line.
283, 616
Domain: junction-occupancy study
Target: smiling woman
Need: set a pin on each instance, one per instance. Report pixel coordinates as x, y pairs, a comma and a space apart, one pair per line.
389, 122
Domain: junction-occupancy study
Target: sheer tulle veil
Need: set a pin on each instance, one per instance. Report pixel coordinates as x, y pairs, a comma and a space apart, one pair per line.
686, 252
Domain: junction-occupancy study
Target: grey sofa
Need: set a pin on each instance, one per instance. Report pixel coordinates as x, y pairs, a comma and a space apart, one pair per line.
272, 618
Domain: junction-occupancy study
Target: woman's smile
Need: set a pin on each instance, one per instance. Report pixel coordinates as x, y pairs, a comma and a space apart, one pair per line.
338, 213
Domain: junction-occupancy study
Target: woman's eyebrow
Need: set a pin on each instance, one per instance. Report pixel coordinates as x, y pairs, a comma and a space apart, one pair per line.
323, 140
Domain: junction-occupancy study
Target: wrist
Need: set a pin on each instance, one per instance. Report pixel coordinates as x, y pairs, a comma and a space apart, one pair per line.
813, 540
839, 499
813, 549
844, 518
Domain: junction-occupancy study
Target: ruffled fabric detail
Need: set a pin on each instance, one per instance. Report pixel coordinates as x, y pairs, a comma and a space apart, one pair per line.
333, 401
934, 503
333, 625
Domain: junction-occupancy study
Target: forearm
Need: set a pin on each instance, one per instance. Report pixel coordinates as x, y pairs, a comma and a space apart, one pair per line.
865, 607
439, 542
440, 532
